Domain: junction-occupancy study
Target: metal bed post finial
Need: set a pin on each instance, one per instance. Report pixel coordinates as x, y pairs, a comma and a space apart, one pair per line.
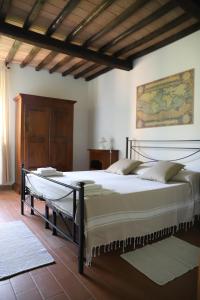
81, 229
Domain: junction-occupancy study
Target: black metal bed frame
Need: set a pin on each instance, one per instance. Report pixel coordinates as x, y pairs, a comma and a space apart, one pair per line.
131, 145
74, 189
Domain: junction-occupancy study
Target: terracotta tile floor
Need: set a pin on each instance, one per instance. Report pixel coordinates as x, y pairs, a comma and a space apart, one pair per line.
109, 277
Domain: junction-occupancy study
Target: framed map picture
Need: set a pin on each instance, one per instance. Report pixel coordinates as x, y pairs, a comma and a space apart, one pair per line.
167, 101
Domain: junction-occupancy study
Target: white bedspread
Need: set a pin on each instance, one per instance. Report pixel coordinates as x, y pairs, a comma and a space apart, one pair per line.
133, 208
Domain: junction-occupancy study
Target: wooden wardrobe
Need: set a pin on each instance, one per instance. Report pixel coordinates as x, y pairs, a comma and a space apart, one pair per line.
44, 133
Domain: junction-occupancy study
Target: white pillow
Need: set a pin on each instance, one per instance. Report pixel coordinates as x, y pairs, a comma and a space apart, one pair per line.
123, 166
163, 171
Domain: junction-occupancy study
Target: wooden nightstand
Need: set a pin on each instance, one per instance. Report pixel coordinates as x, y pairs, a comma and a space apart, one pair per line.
101, 159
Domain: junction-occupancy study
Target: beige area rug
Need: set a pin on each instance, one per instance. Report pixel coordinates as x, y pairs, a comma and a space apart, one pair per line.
165, 260
20, 250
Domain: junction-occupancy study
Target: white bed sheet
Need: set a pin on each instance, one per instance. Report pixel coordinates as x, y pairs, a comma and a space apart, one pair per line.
123, 184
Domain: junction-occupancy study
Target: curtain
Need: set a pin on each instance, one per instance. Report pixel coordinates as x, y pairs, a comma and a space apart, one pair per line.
4, 128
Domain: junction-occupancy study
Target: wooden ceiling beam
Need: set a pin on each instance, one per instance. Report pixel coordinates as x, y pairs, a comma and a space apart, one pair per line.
52, 44
85, 71
96, 11
74, 67
33, 14
12, 52
158, 45
61, 63
34, 51
165, 28
190, 6
98, 73
141, 24
4, 7
61, 16
167, 41
133, 8
52, 28
46, 60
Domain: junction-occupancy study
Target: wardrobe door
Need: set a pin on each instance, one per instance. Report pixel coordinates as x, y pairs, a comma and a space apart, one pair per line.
61, 138
37, 137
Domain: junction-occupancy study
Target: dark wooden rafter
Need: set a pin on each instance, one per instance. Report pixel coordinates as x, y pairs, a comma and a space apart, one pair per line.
46, 60
158, 13
158, 45
33, 14
96, 11
152, 48
167, 41
4, 7
74, 67
154, 34
61, 16
52, 44
34, 51
61, 63
144, 22
99, 61
27, 24
190, 6
133, 8
90, 77
51, 29
12, 52
85, 71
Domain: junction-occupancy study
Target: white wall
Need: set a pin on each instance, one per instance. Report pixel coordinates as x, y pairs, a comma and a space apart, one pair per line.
42, 83
106, 105
113, 95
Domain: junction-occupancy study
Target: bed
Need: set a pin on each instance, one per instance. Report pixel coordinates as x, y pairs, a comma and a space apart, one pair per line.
125, 210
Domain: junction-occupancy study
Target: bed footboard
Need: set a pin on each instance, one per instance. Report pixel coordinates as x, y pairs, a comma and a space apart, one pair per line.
76, 190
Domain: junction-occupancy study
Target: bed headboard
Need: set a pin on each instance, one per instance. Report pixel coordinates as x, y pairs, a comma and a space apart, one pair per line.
136, 146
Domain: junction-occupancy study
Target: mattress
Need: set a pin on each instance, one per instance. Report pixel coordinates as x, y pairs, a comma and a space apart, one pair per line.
58, 195
122, 184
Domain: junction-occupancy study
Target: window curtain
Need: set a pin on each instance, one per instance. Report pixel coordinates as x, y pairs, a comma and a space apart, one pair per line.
4, 128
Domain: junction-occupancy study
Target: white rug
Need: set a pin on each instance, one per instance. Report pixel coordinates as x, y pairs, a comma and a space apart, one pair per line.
165, 260
20, 250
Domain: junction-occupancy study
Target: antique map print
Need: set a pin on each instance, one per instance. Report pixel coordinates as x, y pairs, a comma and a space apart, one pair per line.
168, 101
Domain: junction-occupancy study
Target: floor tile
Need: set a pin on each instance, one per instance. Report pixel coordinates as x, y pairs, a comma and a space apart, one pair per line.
59, 297
22, 283
47, 285
29, 295
109, 277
